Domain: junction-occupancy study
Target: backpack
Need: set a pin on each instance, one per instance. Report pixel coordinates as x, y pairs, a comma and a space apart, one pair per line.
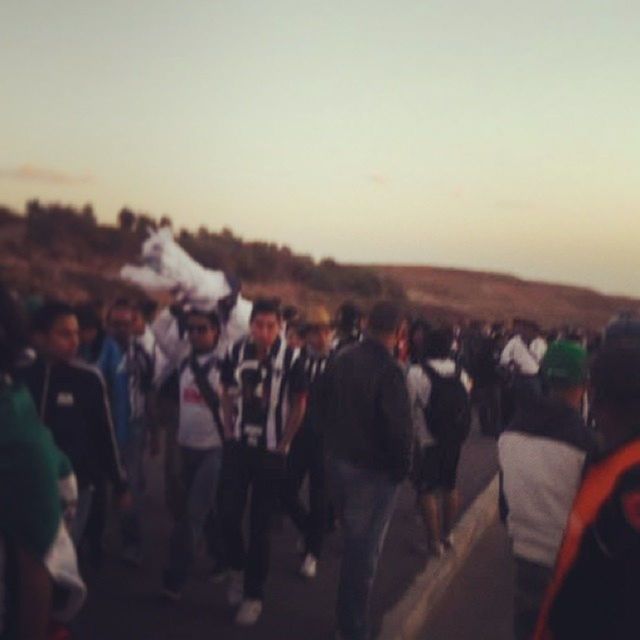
448, 412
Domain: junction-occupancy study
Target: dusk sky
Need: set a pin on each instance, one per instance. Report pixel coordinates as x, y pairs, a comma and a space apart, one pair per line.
489, 135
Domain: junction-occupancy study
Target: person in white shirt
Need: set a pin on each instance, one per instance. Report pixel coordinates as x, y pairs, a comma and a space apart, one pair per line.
438, 454
200, 438
538, 346
522, 364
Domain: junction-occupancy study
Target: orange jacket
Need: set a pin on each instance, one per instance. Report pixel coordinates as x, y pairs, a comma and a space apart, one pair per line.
595, 590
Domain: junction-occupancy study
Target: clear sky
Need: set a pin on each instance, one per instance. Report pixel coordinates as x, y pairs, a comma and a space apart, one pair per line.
499, 135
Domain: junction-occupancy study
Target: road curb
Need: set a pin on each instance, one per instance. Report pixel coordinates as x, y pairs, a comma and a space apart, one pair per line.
407, 619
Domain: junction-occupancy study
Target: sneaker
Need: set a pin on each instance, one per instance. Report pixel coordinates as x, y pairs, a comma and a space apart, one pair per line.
235, 589
132, 556
309, 567
170, 590
219, 573
249, 612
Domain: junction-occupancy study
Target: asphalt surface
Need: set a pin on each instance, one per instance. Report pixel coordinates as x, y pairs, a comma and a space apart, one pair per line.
125, 604
479, 602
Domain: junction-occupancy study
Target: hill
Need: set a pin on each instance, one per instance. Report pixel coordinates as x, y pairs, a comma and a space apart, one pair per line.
474, 294
63, 252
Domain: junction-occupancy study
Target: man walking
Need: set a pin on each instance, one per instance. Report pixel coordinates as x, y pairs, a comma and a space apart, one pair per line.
368, 437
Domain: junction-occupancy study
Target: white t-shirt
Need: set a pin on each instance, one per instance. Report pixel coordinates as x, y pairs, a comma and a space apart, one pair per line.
538, 348
419, 387
197, 428
517, 354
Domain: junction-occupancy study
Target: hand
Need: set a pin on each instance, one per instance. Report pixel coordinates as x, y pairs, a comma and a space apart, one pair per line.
283, 448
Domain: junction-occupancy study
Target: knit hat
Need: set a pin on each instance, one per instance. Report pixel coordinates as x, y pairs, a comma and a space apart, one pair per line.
565, 362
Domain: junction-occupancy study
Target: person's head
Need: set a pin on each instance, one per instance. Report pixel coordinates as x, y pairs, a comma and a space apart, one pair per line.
294, 335
348, 320
120, 321
203, 328
138, 320
89, 322
265, 322
439, 342
384, 323
565, 371
615, 393
623, 331
418, 339
318, 330
12, 333
56, 331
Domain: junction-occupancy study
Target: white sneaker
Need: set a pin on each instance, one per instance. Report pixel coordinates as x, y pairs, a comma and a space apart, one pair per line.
309, 567
249, 612
235, 589
447, 542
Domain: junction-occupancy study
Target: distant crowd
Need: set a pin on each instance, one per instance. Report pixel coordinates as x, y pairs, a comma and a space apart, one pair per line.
318, 417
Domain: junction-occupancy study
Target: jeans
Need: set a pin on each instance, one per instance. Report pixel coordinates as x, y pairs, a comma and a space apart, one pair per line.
306, 456
244, 467
365, 502
85, 498
201, 472
131, 455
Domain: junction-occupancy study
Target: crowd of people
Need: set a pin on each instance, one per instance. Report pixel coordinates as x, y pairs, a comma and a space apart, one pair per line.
344, 408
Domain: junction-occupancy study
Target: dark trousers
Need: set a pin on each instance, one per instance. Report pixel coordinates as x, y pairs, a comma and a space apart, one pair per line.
247, 468
306, 457
532, 581
201, 472
487, 400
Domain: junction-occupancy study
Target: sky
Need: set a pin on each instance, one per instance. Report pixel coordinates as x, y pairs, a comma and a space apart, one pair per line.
492, 135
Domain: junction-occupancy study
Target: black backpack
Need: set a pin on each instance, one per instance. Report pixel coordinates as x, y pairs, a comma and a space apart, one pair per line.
448, 413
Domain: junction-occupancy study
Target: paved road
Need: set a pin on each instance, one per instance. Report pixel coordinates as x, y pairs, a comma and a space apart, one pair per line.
124, 603
479, 603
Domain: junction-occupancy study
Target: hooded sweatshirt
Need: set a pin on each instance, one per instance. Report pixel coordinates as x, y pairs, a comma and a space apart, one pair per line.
542, 455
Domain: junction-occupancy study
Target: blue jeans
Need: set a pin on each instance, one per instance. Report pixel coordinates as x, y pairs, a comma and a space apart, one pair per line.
201, 472
365, 501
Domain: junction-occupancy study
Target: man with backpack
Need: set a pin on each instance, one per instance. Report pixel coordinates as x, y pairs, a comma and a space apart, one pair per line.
440, 407
200, 438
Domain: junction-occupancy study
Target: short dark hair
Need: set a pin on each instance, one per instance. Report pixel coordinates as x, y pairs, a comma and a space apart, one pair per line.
439, 342
47, 315
615, 378
384, 317
211, 316
120, 303
290, 313
266, 306
88, 317
12, 332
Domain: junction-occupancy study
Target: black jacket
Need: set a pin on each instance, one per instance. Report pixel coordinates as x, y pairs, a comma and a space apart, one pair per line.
71, 399
367, 418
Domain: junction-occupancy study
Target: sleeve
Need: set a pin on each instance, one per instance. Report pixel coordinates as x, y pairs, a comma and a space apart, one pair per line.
228, 367
506, 355
298, 380
104, 434
30, 502
394, 416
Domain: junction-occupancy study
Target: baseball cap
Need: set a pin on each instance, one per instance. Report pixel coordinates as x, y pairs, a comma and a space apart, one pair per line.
565, 362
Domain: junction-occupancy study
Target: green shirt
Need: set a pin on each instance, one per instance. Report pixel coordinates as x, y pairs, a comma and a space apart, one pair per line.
30, 467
